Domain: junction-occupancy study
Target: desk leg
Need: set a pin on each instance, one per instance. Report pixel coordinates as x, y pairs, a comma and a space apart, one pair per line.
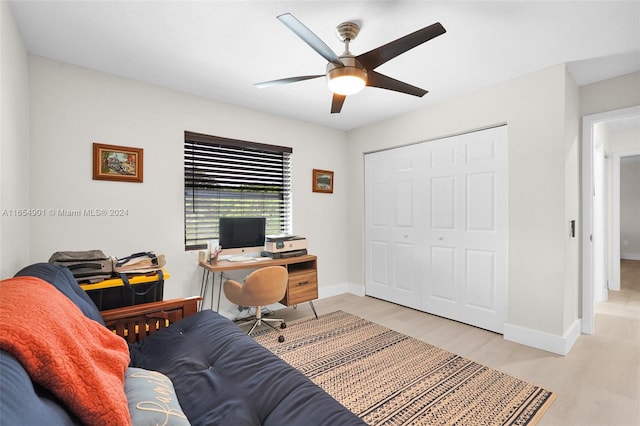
213, 288
206, 274
219, 293
203, 287
313, 308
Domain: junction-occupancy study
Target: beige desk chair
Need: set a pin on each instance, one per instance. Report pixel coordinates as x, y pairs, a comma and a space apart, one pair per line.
261, 287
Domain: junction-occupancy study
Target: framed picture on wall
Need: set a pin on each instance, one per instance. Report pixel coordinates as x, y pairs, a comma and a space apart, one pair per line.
323, 181
119, 163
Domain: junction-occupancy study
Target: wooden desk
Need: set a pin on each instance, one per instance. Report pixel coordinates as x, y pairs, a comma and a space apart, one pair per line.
303, 277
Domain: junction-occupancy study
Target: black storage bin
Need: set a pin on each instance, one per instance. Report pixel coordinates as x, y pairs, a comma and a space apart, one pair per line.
111, 294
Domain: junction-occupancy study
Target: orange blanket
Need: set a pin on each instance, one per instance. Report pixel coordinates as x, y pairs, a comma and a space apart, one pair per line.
76, 358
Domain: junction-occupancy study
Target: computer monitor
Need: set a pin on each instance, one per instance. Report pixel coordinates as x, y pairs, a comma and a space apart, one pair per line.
239, 235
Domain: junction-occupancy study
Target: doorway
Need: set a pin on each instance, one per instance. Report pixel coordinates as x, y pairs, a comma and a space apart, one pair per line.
601, 204
624, 303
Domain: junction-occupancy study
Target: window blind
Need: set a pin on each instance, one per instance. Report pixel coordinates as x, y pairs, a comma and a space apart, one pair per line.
233, 178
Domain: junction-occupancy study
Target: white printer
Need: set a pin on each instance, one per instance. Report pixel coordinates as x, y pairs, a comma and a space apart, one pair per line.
280, 246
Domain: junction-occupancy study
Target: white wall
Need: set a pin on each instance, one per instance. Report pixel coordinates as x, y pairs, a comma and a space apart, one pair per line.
14, 146
602, 147
72, 107
572, 206
541, 111
630, 208
617, 144
609, 95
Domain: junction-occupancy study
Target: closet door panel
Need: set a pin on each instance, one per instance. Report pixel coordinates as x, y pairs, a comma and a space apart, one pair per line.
442, 279
480, 202
392, 273
443, 225
379, 272
480, 279
443, 203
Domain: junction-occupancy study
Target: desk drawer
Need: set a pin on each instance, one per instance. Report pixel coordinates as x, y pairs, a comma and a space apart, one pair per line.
302, 288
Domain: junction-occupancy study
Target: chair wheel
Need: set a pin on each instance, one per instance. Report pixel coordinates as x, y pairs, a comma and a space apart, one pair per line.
281, 338
283, 325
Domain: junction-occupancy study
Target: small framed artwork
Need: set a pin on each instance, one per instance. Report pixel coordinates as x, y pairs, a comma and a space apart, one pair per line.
119, 163
323, 181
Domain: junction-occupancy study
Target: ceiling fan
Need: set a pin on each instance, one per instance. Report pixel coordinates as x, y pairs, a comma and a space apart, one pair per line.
348, 74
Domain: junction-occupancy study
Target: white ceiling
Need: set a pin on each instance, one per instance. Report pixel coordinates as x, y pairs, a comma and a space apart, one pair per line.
218, 49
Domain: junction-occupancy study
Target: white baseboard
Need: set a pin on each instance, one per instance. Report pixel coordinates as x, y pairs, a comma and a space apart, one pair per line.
334, 290
630, 256
358, 290
548, 342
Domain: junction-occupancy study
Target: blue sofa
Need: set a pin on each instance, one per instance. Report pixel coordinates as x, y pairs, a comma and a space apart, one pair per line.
220, 375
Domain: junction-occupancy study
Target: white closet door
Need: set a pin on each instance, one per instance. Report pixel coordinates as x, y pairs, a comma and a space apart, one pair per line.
393, 272
457, 234
466, 228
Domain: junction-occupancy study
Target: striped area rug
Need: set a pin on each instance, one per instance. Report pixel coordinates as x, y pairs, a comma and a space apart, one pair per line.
388, 378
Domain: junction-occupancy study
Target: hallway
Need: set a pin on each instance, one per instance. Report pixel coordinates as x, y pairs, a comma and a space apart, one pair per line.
626, 302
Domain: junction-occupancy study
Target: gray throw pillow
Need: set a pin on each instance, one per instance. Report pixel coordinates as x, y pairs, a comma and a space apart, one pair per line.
152, 399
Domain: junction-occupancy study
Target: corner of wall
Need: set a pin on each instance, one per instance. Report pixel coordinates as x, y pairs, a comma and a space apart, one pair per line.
14, 146
572, 200
560, 345
335, 290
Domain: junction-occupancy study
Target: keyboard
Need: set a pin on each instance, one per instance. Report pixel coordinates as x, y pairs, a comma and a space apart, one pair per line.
247, 259
240, 259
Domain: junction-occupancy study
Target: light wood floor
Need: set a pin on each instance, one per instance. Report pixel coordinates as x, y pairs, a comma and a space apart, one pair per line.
597, 383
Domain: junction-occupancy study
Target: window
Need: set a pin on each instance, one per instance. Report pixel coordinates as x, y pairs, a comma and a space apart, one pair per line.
233, 178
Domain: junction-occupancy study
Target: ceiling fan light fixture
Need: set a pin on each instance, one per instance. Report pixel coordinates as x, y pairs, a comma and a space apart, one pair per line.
345, 74
348, 79
346, 84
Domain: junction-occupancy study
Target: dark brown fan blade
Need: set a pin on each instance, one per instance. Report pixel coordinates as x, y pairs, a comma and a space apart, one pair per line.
376, 57
310, 38
375, 79
336, 103
287, 80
